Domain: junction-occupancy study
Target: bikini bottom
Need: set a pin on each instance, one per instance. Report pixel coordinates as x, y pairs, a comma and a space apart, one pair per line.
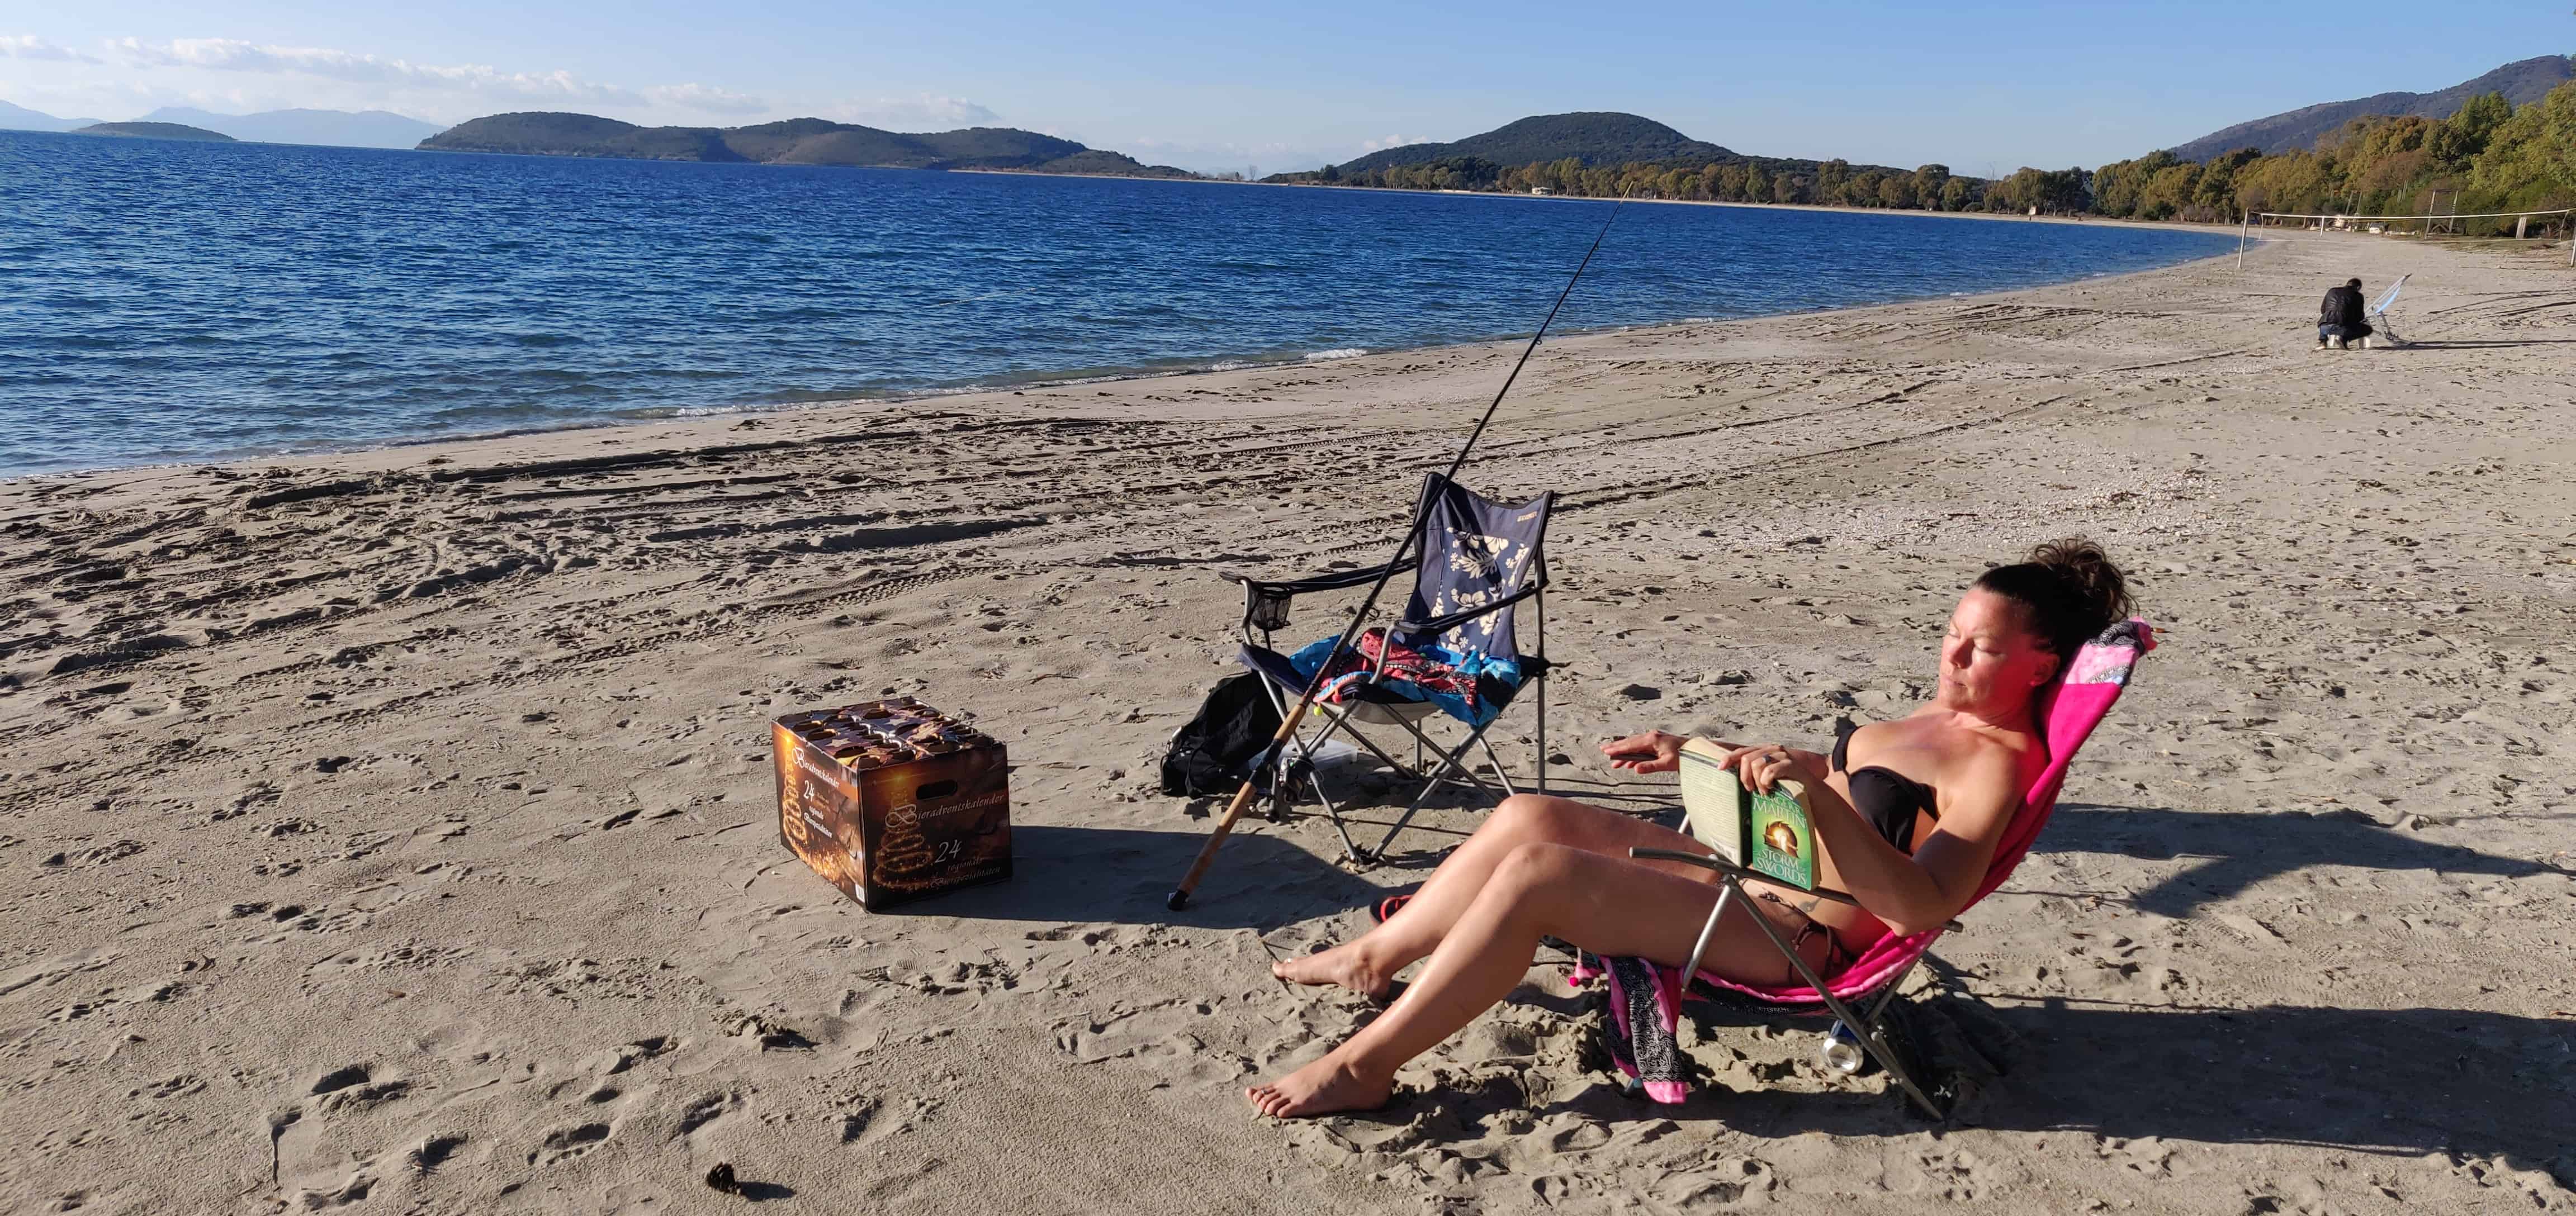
1837, 956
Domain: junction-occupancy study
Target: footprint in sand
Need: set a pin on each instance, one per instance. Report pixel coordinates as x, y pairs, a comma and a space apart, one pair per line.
567, 1143
704, 1110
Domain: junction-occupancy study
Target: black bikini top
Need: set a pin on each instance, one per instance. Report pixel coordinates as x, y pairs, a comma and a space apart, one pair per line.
1886, 798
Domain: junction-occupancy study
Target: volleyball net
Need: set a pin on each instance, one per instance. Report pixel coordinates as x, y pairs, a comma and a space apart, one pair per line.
2547, 225
2511, 224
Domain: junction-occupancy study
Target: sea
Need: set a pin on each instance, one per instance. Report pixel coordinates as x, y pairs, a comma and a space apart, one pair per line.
168, 302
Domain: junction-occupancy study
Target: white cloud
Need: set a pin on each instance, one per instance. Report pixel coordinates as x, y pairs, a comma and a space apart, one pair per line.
926, 112
234, 55
1392, 141
29, 46
707, 98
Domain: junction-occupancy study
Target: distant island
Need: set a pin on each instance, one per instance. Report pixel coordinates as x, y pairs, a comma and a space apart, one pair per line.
1606, 154
1595, 137
795, 141
326, 128
155, 130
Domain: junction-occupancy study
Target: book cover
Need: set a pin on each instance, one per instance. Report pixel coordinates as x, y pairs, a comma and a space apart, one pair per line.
1769, 834
1781, 841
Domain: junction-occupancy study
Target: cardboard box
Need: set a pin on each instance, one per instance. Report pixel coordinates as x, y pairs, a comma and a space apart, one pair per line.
893, 801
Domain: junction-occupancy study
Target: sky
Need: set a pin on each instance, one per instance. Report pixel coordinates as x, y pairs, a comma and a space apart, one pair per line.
1982, 88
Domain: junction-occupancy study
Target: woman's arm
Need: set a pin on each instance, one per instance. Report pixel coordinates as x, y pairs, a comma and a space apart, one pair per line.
1915, 893
1656, 751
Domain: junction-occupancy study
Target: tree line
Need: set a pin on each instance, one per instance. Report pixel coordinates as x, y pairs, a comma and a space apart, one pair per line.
2490, 156
1835, 183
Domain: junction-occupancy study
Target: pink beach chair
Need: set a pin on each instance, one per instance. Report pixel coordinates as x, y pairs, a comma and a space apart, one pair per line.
2067, 710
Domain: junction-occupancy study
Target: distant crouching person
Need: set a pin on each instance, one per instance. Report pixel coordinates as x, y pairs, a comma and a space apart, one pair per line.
2340, 318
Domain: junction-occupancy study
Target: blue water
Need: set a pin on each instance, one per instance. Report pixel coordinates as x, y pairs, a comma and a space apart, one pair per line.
165, 301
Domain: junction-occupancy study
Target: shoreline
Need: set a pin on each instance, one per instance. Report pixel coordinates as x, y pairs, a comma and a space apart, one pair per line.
700, 415
1892, 212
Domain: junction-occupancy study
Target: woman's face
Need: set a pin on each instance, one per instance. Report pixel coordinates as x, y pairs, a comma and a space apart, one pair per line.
1988, 659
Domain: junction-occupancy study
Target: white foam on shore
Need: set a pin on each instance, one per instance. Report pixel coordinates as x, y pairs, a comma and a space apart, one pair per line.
1339, 352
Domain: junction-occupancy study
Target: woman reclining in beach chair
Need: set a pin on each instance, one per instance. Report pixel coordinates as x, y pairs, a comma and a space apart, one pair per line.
1909, 813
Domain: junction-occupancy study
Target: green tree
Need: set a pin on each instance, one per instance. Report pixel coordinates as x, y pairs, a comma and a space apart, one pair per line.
2296, 182
2530, 161
1730, 183
1831, 177
2168, 191
2465, 134
2215, 199
2116, 186
1567, 175
1929, 183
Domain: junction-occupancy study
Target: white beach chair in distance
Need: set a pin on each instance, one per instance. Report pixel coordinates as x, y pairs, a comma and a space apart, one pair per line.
2383, 325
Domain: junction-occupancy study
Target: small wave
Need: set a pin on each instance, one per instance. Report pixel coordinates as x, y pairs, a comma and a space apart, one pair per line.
1233, 365
1341, 352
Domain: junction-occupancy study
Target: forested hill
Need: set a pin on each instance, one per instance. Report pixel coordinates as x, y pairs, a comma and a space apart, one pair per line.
796, 141
155, 130
2522, 83
1594, 137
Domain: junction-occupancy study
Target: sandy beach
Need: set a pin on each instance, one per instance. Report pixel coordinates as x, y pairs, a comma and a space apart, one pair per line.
395, 830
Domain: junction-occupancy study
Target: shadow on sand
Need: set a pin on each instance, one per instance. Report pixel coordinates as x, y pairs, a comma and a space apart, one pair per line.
2407, 1081
2228, 852
1066, 875
2392, 1081
2476, 345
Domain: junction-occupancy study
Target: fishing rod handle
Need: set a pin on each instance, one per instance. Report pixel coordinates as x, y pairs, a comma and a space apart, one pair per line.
1180, 896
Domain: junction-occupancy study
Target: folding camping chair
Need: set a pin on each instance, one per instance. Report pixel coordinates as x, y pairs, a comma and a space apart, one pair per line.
2380, 320
2067, 711
1474, 561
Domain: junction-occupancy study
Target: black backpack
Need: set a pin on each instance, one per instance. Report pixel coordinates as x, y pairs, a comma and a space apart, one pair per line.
1213, 753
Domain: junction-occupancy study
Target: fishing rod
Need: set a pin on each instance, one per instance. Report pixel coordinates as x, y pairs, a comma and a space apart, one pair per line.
1180, 896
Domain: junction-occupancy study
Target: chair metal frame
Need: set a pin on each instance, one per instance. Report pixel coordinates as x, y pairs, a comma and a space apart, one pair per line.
1265, 610
1867, 1028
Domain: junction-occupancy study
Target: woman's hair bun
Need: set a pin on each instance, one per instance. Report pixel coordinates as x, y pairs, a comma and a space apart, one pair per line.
2071, 589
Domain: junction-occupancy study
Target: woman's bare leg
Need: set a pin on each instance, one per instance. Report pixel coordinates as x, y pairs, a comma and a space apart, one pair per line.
1608, 905
1368, 964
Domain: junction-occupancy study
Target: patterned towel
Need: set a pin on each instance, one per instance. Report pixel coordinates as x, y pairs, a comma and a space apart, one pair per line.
1645, 1022
1443, 676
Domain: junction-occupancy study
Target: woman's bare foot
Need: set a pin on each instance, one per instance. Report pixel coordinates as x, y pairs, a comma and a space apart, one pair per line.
1346, 965
1324, 1087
